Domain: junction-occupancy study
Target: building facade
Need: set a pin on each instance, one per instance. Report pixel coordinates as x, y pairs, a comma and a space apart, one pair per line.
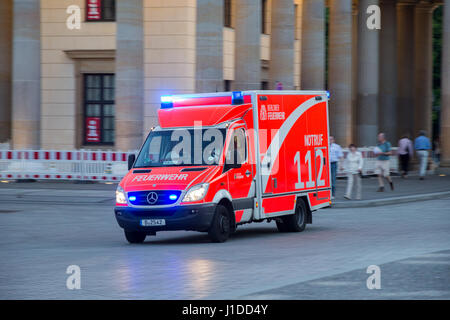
98, 85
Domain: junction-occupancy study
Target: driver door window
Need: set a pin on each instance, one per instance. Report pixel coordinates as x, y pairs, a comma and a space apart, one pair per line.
239, 170
237, 149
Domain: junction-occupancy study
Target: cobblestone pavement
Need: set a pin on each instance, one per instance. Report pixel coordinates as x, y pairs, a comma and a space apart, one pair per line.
41, 237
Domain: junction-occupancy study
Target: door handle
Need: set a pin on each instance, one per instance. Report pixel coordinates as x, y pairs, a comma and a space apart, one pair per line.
274, 180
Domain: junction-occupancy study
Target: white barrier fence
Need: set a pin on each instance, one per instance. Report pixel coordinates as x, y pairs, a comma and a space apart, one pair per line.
82, 165
106, 166
370, 159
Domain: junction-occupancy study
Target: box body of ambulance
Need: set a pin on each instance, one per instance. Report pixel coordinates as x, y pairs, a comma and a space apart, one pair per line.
223, 159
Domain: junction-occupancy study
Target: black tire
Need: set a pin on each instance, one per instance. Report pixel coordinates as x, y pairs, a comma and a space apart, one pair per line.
282, 227
220, 229
296, 222
135, 236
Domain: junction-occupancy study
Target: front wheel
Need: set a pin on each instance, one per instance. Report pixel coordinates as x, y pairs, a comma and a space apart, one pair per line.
135, 236
295, 222
221, 226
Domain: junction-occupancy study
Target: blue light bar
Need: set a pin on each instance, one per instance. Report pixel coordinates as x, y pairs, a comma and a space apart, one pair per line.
173, 197
237, 97
166, 102
328, 94
132, 198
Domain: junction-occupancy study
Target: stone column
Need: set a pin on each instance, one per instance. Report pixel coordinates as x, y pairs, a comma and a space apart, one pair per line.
388, 70
423, 68
354, 68
26, 75
282, 44
445, 87
5, 69
129, 75
313, 45
405, 70
248, 45
209, 46
368, 77
340, 70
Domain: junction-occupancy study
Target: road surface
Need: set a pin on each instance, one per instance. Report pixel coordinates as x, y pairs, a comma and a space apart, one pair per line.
42, 233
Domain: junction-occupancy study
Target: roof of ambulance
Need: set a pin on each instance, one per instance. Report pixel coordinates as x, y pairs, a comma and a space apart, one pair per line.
210, 115
211, 109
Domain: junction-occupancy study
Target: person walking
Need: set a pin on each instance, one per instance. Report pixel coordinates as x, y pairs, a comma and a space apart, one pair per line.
336, 155
353, 165
405, 152
382, 167
422, 145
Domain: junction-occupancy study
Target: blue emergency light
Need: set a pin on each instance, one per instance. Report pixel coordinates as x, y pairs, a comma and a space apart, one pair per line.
237, 97
328, 94
173, 197
166, 102
132, 198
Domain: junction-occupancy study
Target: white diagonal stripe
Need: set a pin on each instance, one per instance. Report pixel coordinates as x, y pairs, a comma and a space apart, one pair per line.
278, 139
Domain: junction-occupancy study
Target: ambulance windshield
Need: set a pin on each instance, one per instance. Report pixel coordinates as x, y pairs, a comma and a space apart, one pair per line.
182, 147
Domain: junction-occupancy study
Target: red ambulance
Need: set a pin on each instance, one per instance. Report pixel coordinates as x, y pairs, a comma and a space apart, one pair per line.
220, 160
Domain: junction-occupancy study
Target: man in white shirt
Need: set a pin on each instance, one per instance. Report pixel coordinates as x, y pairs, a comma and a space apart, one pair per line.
336, 155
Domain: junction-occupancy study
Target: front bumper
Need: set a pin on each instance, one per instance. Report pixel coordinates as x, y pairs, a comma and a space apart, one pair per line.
187, 217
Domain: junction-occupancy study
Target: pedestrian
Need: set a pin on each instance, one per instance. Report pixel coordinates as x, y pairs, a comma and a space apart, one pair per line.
353, 165
405, 152
383, 152
422, 145
336, 155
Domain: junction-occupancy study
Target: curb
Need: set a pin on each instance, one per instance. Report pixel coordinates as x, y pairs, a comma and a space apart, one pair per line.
388, 201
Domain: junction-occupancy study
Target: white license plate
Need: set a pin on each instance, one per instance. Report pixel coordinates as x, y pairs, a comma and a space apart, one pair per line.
153, 222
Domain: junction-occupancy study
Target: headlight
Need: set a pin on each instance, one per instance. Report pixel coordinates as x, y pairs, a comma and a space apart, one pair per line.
196, 193
120, 196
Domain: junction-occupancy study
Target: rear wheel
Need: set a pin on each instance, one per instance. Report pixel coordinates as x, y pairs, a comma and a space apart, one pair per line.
135, 236
221, 226
294, 222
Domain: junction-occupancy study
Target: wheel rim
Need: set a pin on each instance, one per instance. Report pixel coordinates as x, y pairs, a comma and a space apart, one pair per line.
224, 224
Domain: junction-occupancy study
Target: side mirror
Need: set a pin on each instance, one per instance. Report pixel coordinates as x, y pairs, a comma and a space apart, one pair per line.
131, 159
